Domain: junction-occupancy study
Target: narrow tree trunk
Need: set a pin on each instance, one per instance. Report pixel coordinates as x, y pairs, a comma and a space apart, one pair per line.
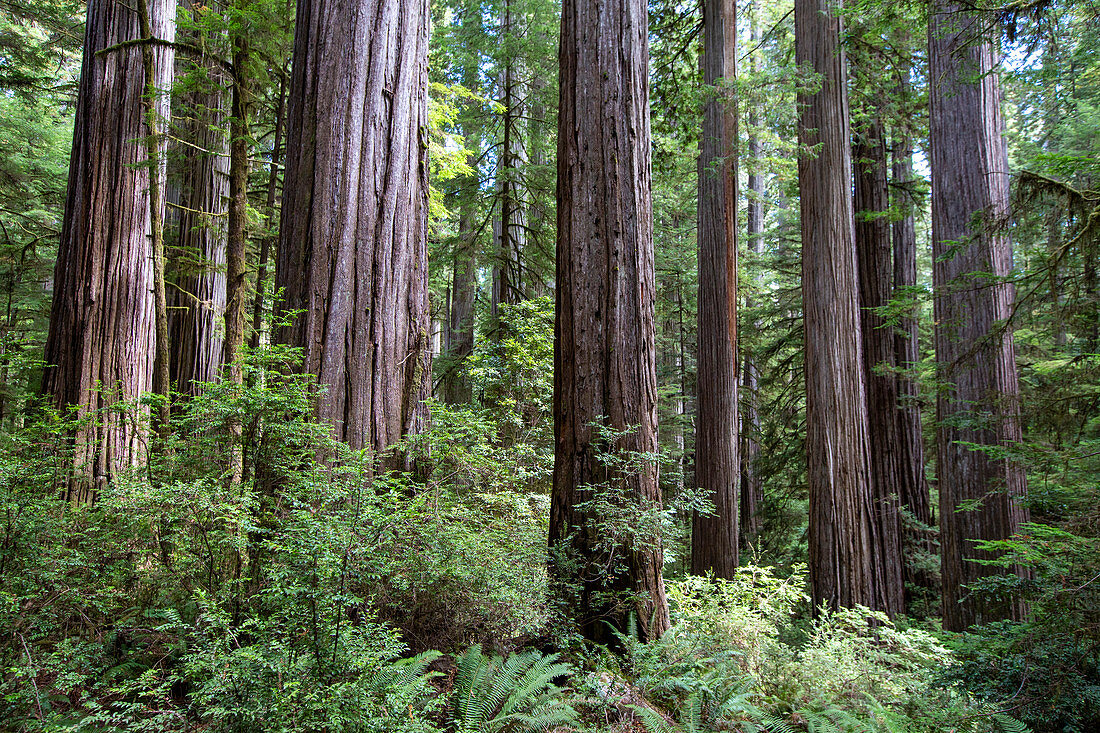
100, 347
353, 241
717, 470
751, 488
604, 359
259, 309
235, 272
513, 210
980, 491
913, 491
846, 563
456, 386
873, 255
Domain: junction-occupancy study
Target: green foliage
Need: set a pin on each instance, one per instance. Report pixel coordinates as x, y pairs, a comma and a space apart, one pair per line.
514, 695
1047, 667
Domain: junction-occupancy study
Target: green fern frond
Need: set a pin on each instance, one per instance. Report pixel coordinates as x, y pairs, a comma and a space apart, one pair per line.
653, 722
1008, 724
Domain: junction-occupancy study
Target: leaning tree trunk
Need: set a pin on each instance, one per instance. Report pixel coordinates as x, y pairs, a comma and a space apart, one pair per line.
846, 563
717, 470
100, 348
873, 255
981, 490
604, 348
353, 241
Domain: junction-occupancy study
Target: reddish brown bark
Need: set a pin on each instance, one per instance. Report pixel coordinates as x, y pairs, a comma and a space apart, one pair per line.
717, 468
604, 353
846, 562
873, 254
100, 347
353, 241
981, 492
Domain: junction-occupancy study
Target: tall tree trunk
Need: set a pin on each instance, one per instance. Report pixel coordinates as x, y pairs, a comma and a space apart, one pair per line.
913, 490
980, 491
604, 347
198, 300
259, 309
100, 347
846, 562
456, 386
751, 488
513, 210
873, 255
235, 268
717, 470
353, 241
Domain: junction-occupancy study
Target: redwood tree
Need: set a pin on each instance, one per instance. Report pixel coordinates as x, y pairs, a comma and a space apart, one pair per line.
714, 536
873, 255
100, 347
846, 563
981, 489
352, 255
604, 359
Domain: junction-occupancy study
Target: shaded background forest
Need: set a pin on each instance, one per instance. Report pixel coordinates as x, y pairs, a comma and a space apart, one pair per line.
181, 600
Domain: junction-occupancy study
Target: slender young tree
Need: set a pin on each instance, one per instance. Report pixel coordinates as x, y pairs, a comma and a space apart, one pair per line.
101, 344
717, 468
604, 359
353, 241
846, 559
981, 490
751, 489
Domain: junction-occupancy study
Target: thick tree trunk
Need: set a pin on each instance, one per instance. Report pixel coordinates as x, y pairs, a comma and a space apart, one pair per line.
717, 468
981, 492
913, 490
604, 352
846, 562
353, 241
100, 347
198, 298
873, 255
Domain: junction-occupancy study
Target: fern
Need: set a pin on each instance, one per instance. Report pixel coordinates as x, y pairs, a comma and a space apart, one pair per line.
1009, 724
517, 695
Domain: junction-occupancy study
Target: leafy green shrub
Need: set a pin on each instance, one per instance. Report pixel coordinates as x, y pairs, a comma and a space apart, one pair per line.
1046, 670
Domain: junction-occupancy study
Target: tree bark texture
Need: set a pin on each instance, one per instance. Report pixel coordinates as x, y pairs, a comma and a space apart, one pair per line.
237, 241
751, 488
604, 346
914, 491
873, 255
981, 492
100, 347
353, 240
717, 469
198, 298
846, 559
513, 204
